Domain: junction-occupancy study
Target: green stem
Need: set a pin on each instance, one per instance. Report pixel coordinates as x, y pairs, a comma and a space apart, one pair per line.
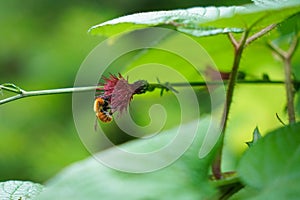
238, 50
22, 93
260, 33
289, 84
232, 80
226, 82
290, 91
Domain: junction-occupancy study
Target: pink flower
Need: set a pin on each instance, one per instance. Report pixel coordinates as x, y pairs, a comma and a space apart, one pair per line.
118, 92
110, 83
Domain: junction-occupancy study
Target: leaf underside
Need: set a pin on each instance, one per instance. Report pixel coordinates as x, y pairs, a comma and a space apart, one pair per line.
19, 190
203, 21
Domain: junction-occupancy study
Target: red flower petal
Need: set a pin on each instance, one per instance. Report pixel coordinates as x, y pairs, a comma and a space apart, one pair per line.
118, 92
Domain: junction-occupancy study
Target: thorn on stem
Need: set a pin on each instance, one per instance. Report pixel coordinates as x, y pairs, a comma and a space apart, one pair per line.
280, 120
166, 87
265, 77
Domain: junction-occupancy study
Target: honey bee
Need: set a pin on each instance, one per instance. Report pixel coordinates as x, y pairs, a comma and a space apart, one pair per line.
102, 110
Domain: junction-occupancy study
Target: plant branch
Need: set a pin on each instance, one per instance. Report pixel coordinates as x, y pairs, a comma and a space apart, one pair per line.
260, 33
293, 47
226, 82
22, 93
238, 50
289, 87
290, 90
233, 40
277, 50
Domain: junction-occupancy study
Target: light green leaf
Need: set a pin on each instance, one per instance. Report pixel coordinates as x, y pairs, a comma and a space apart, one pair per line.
19, 190
181, 18
186, 178
272, 3
256, 136
272, 165
202, 21
207, 31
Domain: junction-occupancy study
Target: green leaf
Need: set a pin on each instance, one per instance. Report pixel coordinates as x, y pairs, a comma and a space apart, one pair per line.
19, 190
290, 26
202, 21
245, 193
272, 166
186, 178
181, 18
228, 185
11, 87
207, 31
272, 3
256, 137
286, 33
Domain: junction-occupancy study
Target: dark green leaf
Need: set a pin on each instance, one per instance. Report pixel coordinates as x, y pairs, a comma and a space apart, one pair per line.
19, 190
272, 165
228, 185
184, 179
291, 25
287, 32
245, 193
255, 138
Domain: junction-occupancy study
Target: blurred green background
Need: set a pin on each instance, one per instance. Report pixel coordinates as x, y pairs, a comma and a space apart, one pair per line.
42, 45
